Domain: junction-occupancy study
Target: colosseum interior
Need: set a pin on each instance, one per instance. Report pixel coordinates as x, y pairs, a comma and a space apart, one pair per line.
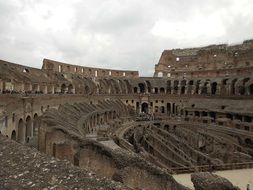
195, 114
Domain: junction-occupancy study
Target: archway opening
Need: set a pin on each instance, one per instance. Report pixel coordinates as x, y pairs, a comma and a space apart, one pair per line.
144, 107
142, 88
70, 89
162, 109
214, 88
168, 87
233, 86
63, 88
29, 128
13, 135
251, 89
21, 131
35, 124
149, 86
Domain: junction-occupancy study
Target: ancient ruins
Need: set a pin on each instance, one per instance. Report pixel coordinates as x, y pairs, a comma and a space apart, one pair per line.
97, 128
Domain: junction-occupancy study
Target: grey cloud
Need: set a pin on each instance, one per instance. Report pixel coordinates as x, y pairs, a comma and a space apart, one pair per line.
112, 33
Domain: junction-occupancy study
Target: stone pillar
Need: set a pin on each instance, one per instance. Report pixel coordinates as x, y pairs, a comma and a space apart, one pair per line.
218, 89
172, 90
179, 89
209, 88
1, 86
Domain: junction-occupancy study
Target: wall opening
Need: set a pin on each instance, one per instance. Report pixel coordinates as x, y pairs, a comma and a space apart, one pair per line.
144, 107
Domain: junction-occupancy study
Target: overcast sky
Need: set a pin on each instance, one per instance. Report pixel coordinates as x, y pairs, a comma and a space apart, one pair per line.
117, 34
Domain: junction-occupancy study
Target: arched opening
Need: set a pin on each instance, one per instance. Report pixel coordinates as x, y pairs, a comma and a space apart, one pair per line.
149, 86
168, 108
86, 90
13, 135
35, 124
142, 88
197, 87
168, 87
196, 113
204, 88
176, 86
233, 86
241, 90
173, 108
183, 84
214, 88
213, 115
251, 89
21, 131
224, 87
156, 90
183, 90
29, 128
63, 88
144, 107
135, 90
162, 90
160, 74
162, 109
70, 89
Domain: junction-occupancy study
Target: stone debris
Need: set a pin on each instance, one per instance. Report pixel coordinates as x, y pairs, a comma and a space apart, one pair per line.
209, 181
22, 167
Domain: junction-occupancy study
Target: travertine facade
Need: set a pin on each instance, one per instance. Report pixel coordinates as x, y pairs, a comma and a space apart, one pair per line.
194, 115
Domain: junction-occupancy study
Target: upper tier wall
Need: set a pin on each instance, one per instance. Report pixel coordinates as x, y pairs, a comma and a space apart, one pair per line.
211, 61
86, 71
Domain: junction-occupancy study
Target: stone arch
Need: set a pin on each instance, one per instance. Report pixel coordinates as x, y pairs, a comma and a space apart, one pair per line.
142, 87
233, 89
183, 84
250, 89
190, 87
168, 87
135, 90
213, 88
35, 124
123, 87
168, 108
204, 88
144, 107
174, 108
197, 87
128, 86
21, 131
162, 109
162, 90
13, 135
223, 89
29, 128
241, 86
176, 83
71, 89
149, 87
86, 90
63, 88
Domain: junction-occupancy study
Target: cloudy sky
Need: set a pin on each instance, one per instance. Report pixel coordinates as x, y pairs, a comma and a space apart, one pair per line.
118, 34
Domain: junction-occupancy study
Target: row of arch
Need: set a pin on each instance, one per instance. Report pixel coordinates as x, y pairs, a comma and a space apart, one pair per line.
26, 129
95, 120
235, 86
225, 86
